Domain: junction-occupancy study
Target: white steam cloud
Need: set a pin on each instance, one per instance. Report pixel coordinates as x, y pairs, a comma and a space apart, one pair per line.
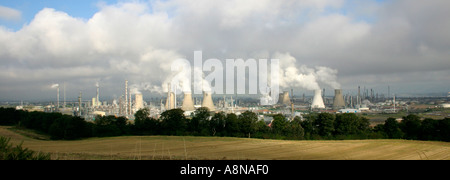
182, 81
138, 88
304, 77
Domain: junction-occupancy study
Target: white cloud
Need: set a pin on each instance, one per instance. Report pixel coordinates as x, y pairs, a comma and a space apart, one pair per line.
11, 14
138, 40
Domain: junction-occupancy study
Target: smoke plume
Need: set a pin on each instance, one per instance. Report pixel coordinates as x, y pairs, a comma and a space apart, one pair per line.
138, 88
328, 76
183, 82
304, 77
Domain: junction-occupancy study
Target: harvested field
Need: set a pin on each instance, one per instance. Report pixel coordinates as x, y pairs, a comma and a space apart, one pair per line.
177, 147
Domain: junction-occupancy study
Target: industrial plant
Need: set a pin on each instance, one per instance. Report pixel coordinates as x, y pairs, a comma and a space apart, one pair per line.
290, 104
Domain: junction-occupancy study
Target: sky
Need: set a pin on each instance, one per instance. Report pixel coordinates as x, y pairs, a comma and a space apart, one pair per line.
403, 44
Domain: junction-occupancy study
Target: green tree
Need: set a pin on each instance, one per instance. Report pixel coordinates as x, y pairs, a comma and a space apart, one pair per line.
140, 117
69, 128
392, 129
232, 125
296, 130
217, 123
56, 130
10, 116
247, 121
429, 129
411, 126
144, 124
350, 124
309, 128
363, 125
325, 124
106, 126
199, 124
76, 128
262, 130
444, 129
279, 125
173, 122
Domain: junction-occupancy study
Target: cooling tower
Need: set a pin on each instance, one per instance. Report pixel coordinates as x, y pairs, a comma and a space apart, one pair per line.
208, 102
317, 100
170, 101
338, 99
284, 98
139, 101
188, 104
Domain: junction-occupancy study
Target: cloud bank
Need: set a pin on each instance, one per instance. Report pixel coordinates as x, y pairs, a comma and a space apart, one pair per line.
396, 42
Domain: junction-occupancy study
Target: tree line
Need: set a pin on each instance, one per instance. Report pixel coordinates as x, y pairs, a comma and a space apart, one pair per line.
314, 126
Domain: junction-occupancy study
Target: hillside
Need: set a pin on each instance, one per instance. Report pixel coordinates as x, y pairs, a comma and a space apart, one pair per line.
177, 147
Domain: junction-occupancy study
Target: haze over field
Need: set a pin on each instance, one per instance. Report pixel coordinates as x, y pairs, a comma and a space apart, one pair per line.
374, 43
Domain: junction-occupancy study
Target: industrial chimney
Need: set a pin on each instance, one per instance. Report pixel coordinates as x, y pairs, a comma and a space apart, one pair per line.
317, 100
170, 101
338, 99
188, 104
207, 101
139, 100
284, 99
97, 102
126, 97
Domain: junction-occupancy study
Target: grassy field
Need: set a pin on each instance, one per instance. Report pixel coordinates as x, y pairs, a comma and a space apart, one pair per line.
212, 148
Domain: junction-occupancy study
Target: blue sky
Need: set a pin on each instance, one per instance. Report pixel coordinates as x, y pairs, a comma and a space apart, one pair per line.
29, 8
87, 8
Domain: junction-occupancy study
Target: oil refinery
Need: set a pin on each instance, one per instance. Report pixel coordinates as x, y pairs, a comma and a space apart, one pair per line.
365, 101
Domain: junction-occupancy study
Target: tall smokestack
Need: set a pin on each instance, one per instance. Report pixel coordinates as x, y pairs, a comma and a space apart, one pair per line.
207, 101
126, 97
188, 104
97, 103
338, 99
317, 100
170, 101
129, 103
57, 95
57, 98
64, 104
358, 99
139, 101
79, 104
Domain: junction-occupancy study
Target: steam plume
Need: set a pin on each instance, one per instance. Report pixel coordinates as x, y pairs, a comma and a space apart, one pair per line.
304, 77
